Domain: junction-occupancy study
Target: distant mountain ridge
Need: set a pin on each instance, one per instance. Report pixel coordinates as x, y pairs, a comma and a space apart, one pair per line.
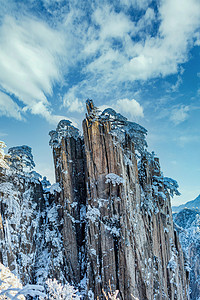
193, 204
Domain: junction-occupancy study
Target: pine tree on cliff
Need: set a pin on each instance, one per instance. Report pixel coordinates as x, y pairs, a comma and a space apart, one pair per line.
21, 158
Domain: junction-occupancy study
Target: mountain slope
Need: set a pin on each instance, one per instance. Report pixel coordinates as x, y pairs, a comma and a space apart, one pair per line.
193, 204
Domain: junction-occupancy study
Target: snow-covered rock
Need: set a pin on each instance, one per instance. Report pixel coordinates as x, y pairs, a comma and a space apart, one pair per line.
187, 223
117, 212
105, 224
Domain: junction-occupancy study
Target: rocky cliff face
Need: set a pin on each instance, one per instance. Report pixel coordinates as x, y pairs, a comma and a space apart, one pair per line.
106, 223
21, 205
69, 160
30, 239
116, 212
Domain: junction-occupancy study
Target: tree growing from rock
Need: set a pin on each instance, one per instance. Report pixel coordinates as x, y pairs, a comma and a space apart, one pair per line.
21, 158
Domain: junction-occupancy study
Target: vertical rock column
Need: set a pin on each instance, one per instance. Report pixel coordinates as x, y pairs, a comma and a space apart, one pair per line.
69, 160
113, 192
166, 260
130, 236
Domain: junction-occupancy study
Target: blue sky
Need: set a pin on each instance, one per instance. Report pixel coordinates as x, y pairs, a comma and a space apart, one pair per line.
139, 57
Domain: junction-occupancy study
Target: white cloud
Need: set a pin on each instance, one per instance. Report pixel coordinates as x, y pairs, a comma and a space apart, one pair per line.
114, 56
112, 24
129, 107
162, 54
180, 114
29, 62
197, 39
176, 86
107, 46
141, 4
72, 102
75, 105
9, 108
146, 20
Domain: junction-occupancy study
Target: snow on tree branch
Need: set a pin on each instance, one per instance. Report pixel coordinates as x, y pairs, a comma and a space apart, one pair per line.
57, 291
64, 129
136, 132
21, 157
172, 186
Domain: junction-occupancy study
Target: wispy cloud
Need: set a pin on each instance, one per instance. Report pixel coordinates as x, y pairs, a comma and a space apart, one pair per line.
182, 140
9, 108
29, 62
101, 44
115, 56
130, 108
180, 114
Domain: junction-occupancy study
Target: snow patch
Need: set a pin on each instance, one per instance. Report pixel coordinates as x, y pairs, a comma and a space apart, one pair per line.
114, 179
55, 188
93, 213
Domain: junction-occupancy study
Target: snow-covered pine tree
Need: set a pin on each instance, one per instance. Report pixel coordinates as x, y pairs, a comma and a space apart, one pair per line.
21, 158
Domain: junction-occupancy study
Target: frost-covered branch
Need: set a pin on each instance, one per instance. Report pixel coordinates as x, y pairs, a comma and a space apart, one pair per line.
63, 130
21, 157
57, 291
31, 290
121, 126
172, 186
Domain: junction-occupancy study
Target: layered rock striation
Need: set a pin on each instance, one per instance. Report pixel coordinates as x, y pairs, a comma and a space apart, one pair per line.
69, 160
115, 205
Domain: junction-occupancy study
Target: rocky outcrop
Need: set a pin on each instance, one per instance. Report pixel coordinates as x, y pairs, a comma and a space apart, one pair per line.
69, 160
187, 224
30, 225
115, 205
21, 205
105, 223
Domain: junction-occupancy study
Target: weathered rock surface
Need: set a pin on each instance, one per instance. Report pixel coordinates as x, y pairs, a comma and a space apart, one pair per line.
30, 238
69, 160
127, 235
21, 204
